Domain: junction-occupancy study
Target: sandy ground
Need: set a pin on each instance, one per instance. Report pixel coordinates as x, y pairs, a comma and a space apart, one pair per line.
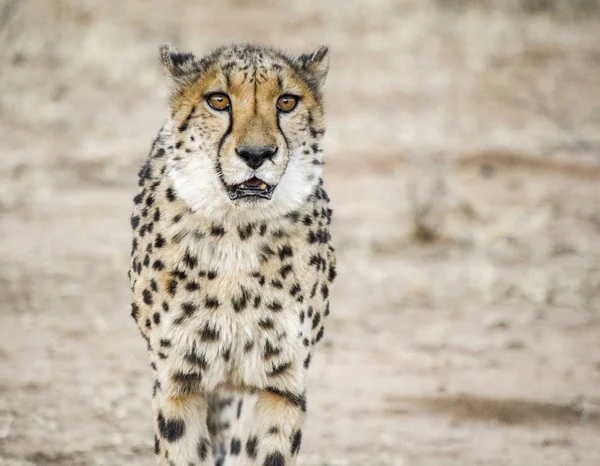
481, 348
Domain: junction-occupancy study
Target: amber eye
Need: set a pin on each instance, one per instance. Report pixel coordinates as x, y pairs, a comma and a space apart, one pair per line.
287, 103
218, 101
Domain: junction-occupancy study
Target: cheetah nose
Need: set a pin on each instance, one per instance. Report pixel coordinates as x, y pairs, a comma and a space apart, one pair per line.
255, 156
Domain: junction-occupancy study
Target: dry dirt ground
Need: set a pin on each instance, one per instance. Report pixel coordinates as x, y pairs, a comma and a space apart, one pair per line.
480, 348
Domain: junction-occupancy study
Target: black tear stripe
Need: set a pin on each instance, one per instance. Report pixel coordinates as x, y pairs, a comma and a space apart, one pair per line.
227, 132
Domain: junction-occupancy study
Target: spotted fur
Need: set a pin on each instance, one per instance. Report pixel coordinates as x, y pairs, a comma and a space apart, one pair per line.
231, 295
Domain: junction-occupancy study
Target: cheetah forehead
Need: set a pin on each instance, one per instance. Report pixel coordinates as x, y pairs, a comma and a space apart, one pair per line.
260, 65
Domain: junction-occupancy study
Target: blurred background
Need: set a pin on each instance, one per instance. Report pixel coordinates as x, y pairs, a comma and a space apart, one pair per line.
463, 163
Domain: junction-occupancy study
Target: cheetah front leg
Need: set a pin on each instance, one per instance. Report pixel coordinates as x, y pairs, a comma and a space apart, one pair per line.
182, 436
276, 430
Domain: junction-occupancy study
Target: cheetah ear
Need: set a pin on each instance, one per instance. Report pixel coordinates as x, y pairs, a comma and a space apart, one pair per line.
177, 64
316, 64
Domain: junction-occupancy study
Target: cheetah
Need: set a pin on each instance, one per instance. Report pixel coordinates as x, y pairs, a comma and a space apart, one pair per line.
231, 261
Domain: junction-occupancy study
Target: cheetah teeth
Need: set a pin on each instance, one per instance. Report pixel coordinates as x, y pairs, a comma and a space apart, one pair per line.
263, 186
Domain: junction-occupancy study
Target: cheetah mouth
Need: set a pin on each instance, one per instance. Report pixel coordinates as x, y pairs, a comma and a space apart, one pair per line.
252, 188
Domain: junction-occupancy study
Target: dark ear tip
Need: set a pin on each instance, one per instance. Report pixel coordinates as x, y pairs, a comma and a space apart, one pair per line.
320, 52
164, 51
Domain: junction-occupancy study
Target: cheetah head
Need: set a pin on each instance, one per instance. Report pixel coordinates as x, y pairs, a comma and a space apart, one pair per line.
247, 124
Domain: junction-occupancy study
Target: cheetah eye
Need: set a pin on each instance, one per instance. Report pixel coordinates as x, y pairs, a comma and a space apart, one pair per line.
218, 101
286, 103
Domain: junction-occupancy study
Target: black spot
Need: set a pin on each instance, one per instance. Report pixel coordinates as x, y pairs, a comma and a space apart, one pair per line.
277, 284
273, 430
156, 215
177, 218
267, 324
156, 445
252, 447
305, 342
302, 316
165, 343
179, 274
172, 287
296, 441
211, 302
146, 261
239, 408
188, 382
217, 230
236, 446
295, 289
162, 355
307, 361
286, 251
145, 173
147, 295
189, 308
209, 334
202, 448
227, 354
153, 285
178, 145
257, 300
135, 311
279, 369
159, 242
192, 286
274, 459
246, 231
263, 229
293, 216
165, 306
332, 273
196, 360
275, 306
270, 350
158, 265
138, 198
313, 292
310, 311
285, 270
320, 334
316, 320
248, 346
149, 201
307, 220
239, 303
156, 318
156, 387
190, 260
182, 127
211, 275
170, 192
325, 291
171, 429
135, 221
